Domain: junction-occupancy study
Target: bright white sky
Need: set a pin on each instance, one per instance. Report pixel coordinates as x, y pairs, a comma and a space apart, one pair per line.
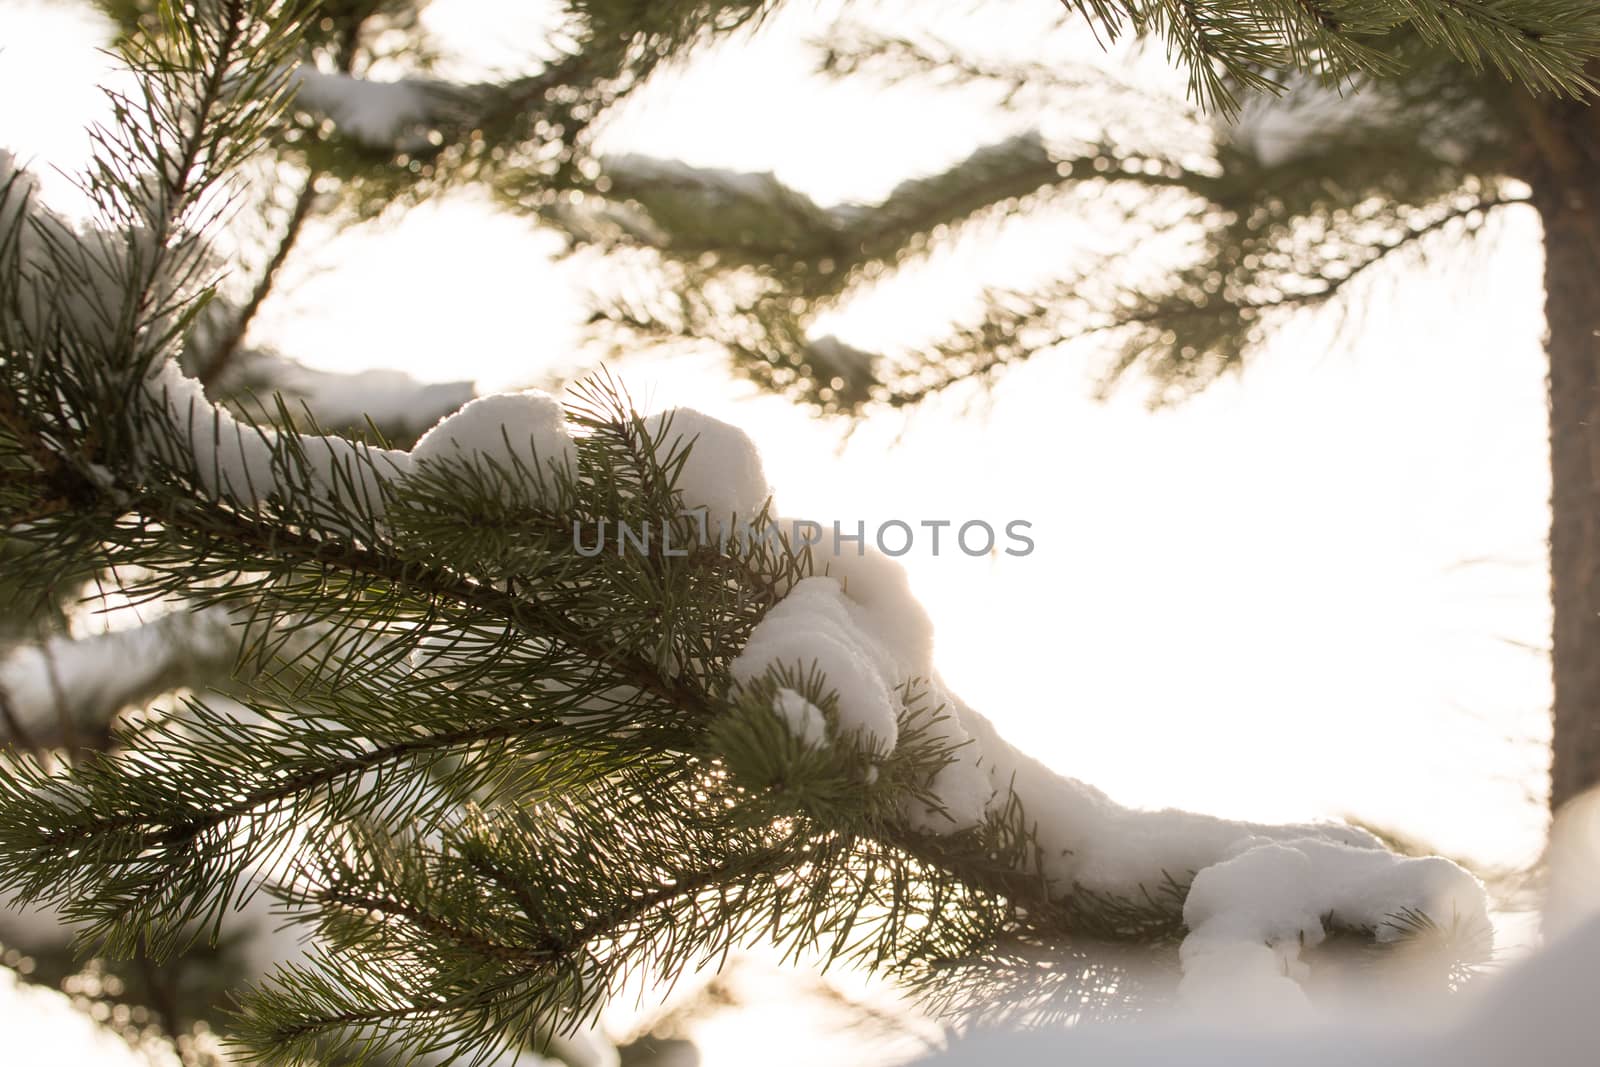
1318, 590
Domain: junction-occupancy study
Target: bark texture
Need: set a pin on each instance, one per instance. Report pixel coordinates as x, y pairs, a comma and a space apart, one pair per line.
1564, 173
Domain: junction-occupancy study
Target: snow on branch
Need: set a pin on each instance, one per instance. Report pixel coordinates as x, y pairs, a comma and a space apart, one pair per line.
400, 405
817, 651
755, 219
1258, 893
252, 464
65, 687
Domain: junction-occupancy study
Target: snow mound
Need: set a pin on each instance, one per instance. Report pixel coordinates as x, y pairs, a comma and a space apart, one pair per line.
815, 627
722, 473
229, 457
860, 599
240, 460
1572, 860
1540, 1012
880, 591
344, 470
517, 431
1249, 916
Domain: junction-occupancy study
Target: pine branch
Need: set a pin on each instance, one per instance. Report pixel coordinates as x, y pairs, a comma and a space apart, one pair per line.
537, 122
499, 774
364, 743
1172, 336
429, 583
753, 220
1230, 47
219, 354
221, 351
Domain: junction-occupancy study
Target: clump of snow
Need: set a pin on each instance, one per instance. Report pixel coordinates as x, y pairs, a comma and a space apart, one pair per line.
89, 679
722, 473
879, 589
518, 431
244, 461
815, 626
861, 599
372, 112
76, 272
804, 718
523, 433
230, 458
1250, 915
878, 596
963, 790
354, 473
1259, 894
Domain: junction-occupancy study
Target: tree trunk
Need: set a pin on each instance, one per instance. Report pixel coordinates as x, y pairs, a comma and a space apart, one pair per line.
1565, 178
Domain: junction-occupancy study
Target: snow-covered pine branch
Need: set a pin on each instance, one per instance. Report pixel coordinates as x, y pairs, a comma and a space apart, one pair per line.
834, 661
745, 262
